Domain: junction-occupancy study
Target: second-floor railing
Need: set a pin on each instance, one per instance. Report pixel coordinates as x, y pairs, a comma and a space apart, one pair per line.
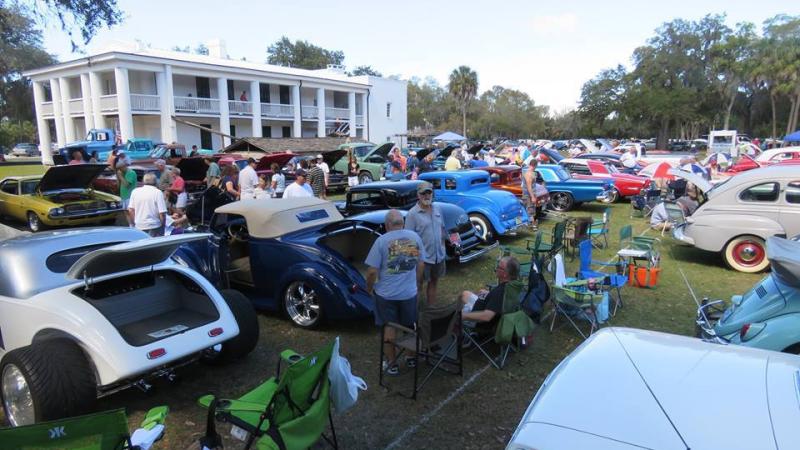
108, 102
339, 114
277, 110
310, 111
46, 108
197, 105
239, 108
76, 106
359, 121
144, 102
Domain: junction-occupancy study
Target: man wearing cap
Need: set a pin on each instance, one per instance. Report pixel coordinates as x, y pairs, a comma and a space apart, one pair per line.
397, 172
412, 162
427, 220
299, 188
248, 180
325, 171
316, 178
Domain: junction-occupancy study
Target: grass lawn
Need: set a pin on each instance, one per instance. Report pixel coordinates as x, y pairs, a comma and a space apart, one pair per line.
479, 410
12, 170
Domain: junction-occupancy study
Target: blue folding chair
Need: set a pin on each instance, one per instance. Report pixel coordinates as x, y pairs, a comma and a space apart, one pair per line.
612, 280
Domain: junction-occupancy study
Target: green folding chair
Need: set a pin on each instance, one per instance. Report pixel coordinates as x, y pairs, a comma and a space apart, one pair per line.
599, 229
106, 430
570, 303
288, 411
550, 248
525, 255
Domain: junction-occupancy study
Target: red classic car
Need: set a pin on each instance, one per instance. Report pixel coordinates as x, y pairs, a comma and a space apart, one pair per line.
509, 179
625, 185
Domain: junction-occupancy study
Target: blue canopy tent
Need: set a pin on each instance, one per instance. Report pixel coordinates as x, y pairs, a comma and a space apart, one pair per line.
794, 137
449, 136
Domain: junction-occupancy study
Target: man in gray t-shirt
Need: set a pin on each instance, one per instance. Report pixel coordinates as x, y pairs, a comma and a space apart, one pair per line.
395, 268
426, 219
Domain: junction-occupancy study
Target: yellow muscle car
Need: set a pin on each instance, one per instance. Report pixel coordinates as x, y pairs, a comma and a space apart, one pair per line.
61, 197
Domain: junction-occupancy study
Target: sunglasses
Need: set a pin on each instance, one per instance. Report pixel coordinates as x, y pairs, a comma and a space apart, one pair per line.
426, 193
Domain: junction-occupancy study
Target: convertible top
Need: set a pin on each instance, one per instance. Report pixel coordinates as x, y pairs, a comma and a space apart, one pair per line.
784, 257
272, 218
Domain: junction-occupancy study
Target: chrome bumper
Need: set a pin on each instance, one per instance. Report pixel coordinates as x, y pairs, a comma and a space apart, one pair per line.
476, 252
679, 235
84, 215
603, 196
705, 326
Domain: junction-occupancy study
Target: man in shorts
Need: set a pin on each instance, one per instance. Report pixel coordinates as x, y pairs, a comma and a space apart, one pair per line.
426, 219
395, 268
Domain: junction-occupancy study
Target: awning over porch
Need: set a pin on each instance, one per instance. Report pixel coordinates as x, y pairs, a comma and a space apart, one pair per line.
294, 145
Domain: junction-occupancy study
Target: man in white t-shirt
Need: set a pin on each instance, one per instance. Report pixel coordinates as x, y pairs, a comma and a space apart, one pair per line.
628, 159
248, 180
325, 169
299, 188
147, 208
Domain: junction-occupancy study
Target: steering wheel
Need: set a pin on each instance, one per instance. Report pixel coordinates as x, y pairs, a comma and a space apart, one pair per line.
237, 232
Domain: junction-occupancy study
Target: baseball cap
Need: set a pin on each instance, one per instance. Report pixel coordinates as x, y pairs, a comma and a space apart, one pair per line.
319, 155
424, 187
299, 173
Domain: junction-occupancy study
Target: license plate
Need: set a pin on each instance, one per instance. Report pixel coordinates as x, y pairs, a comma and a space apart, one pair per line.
455, 239
519, 220
175, 329
239, 433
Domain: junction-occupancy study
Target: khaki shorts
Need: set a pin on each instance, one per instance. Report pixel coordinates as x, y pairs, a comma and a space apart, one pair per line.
434, 271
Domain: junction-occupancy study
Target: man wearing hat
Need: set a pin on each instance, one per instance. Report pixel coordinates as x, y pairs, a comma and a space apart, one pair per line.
412, 163
316, 178
248, 180
397, 171
299, 188
490, 159
427, 220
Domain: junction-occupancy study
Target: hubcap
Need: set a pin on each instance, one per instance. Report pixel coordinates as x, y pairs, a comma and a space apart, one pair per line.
364, 179
748, 253
560, 201
33, 221
17, 398
302, 303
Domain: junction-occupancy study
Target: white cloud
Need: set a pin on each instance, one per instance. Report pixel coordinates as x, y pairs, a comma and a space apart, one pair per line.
555, 23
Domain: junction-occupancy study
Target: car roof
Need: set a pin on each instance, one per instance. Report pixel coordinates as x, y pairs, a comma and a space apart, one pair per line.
23, 269
768, 173
21, 178
457, 174
402, 186
501, 168
272, 218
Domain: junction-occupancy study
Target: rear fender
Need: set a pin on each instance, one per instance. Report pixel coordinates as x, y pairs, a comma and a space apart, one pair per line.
712, 232
47, 334
780, 333
338, 300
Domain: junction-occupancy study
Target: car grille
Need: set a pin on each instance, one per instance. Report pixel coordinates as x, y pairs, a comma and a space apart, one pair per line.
84, 207
469, 238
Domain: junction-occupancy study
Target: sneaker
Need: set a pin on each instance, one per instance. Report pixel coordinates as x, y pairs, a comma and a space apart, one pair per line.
411, 362
393, 370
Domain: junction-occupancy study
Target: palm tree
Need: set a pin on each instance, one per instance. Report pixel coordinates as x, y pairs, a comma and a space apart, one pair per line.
463, 86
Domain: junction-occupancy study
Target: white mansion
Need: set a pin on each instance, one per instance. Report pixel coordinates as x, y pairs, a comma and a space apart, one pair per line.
141, 91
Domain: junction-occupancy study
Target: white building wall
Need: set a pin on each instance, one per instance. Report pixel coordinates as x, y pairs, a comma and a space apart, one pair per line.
188, 136
383, 91
107, 84
80, 128
147, 127
183, 85
274, 93
142, 82
244, 128
307, 96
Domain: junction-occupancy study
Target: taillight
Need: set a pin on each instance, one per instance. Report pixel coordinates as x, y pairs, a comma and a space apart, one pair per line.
215, 332
157, 353
744, 330
353, 288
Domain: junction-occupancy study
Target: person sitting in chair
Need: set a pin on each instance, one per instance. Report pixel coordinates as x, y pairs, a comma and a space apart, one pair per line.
485, 306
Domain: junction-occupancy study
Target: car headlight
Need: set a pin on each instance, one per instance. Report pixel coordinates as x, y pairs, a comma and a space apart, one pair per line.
56, 211
112, 205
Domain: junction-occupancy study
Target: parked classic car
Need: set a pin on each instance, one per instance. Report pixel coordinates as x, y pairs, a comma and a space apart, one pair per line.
61, 197
768, 315
86, 313
736, 216
509, 178
613, 159
370, 157
296, 255
107, 180
464, 243
25, 149
664, 389
625, 185
493, 212
567, 192
337, 179
767, 158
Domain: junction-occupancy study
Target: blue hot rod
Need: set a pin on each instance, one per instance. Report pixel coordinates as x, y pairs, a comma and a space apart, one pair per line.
566, 191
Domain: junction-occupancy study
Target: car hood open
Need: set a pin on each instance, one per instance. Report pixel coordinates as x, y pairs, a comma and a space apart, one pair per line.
665, 386
130, 255
281, 159
700, 182
381, 150
333, 156
78, 176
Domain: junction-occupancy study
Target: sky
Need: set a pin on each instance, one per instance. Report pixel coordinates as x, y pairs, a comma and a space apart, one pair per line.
546, 49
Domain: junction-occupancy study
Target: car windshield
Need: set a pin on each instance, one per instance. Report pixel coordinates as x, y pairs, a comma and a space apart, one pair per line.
562, 174
158, 152
362, 151
29, 186
611, 168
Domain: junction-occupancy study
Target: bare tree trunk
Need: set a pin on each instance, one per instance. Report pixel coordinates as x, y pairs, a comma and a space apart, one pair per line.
464, 121
792, 103
774, 115
663, 134
796, 114
728, 113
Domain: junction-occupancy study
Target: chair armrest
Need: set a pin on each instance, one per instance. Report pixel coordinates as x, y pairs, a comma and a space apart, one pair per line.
155, 416
290, 356
605, 264
397, 326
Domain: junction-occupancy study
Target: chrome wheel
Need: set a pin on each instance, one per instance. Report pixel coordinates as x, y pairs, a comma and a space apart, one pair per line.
613, 196
33, 222
561, 201
302, 304
365, 178
17, 398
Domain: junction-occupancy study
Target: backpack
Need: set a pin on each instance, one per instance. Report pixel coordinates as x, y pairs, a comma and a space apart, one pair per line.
536, 296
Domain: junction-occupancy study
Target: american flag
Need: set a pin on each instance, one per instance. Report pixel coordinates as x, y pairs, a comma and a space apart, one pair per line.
118, 138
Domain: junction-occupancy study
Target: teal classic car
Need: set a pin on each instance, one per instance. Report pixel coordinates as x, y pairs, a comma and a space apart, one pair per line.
493, 212
768, 316
371, 159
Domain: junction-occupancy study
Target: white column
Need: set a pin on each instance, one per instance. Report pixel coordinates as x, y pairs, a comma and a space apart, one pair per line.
164, 90
58, 114
96, 89
169, 99
255, 105
364, 117
69, 124
41, 124
86, 96
124, 103
351, 103
224, 114
321, 112
297, 127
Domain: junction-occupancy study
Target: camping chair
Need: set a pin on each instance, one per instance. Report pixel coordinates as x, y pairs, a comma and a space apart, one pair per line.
599, 229
555, 245
570, 303
106, 430
437, 339
577, 233
615, 280
644, 202
288, 411
525, 255
513, 324
638, 247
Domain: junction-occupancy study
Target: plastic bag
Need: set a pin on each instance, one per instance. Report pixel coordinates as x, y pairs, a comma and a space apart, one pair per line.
344, 385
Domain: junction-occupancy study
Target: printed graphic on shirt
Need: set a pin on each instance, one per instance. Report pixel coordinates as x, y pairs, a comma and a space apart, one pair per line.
403, 256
